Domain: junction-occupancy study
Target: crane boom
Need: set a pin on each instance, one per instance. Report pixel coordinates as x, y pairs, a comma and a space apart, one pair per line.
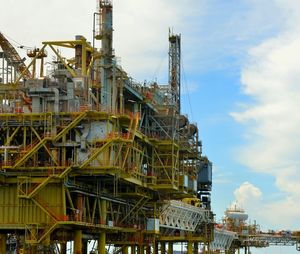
13, 58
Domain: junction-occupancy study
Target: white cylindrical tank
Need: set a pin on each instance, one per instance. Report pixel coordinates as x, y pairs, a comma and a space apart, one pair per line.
236, 215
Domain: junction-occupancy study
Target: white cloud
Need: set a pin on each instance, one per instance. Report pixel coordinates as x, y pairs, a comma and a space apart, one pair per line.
141, 34
247, 192
281, 214
271, 77
276, 215
140, 27
211, 31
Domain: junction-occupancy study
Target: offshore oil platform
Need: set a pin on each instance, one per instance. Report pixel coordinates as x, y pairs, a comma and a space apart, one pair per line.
87, 154
93, 162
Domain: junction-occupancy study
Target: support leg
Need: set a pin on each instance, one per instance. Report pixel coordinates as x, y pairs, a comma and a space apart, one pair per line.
102, 243
78, 242
125, 250
190, 248
3, 238
170, 248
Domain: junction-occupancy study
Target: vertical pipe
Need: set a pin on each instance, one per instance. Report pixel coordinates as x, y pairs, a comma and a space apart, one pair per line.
208, 248
132, 249
24, 136
102, 236
33, 249
78, 242
63, 248
7, 72
114, 88
3, 80
5, 156
196, 247
79, 210
47, 241
106, 31
155, 247
125, 250
11, 73
103, 205
162, 247
42, 65
15, 75
148, 249
141, 248
85, 247
121, 98
33, 68
83, 60
64, 151
94, 34
78, 52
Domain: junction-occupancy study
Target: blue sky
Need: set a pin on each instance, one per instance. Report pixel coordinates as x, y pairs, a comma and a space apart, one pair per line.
240, 84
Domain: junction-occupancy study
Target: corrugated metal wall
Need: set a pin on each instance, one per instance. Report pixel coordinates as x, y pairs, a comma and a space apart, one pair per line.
15, 210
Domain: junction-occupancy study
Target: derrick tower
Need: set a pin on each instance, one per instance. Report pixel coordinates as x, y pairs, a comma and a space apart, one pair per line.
174, 68
87, 154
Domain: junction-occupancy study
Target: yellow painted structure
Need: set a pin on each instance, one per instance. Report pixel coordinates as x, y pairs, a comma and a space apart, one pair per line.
87, 153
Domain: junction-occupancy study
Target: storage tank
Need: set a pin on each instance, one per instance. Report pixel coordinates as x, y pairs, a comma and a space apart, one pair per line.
236, 214
192, 129
183, 121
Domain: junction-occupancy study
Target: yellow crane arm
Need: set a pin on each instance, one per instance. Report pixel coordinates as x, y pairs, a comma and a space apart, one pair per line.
13, 58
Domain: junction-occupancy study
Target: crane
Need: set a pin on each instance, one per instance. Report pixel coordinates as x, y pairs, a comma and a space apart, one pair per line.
13, 58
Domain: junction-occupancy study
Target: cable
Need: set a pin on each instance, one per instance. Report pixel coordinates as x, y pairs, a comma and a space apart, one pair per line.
187, 90
16, 44
158, 67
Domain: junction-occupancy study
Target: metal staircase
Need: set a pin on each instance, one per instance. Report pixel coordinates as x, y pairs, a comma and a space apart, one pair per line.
70, 126
30, 151
223, 239
178, 215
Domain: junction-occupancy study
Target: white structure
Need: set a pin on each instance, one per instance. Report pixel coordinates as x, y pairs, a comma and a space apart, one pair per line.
178, 215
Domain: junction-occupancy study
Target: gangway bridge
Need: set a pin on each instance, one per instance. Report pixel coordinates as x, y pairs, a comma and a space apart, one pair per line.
275, 239
230, 242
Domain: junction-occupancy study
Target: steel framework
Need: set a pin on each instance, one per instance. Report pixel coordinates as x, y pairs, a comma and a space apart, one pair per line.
86, 153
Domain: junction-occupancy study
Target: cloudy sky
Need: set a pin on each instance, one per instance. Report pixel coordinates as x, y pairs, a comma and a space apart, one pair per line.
240, 83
